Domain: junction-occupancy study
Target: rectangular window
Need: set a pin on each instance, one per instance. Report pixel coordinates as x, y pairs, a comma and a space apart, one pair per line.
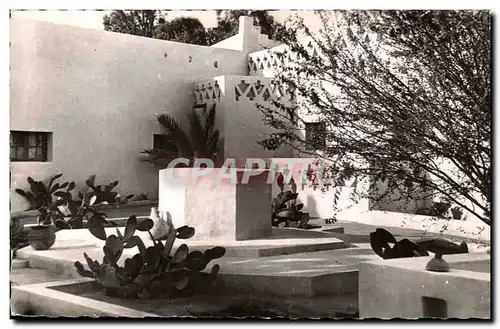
158, 141
315, 135
29, 146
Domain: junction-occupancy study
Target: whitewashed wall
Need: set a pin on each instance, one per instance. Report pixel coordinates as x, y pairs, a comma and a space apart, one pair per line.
97, 92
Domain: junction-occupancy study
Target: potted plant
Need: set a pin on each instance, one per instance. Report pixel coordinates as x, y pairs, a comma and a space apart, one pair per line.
457, 212
63, 213
43, 235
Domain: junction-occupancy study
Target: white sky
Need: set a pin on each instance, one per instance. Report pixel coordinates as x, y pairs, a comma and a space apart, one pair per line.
93, 19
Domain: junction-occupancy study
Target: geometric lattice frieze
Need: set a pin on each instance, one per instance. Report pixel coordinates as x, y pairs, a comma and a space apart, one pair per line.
254, 90
276, 57
207, 92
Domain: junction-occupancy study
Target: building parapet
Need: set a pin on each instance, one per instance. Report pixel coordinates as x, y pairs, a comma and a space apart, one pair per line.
248, 88
266, 62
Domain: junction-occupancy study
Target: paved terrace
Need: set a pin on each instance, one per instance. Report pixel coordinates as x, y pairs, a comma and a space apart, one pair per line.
319, 264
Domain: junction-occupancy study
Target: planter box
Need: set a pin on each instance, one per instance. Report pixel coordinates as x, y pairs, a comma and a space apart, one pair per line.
81, 297
403, 288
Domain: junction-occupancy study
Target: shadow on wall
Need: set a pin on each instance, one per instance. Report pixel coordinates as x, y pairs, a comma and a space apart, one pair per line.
311, 207
395, 203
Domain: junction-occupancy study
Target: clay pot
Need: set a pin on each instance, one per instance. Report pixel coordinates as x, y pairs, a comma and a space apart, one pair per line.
42, 237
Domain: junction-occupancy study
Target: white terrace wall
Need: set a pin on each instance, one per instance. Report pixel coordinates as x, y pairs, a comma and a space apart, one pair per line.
318, 196
97, 92
240, 122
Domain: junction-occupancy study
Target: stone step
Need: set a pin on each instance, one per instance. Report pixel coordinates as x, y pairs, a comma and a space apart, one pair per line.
17, 263
290, 262
321, 273
283, 241
328, 229
338, 229
23, 276
342, 281
315, 273
273, 250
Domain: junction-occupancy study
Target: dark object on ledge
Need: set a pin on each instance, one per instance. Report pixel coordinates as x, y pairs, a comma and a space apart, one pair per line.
381, 241
437, 264
457, 213
443, 246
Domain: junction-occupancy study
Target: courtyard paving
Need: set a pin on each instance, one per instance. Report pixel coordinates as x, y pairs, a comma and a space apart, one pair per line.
359, 234
324, 273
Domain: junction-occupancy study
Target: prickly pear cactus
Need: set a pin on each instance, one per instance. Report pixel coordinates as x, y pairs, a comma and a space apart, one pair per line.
155, 271
285, 209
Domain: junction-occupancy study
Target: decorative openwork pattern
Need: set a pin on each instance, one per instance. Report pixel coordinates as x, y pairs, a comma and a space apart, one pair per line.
267, 59
250, 88
207, 92
256, 90
270, 59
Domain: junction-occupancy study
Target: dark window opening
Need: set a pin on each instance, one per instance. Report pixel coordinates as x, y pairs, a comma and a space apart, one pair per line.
158, 141
315, 135
29, 146
434, 308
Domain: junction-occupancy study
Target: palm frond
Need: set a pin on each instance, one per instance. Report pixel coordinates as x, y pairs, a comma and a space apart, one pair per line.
203, 140
209, 122
197, 137
168, 143
159, 154
177, 135
213, 143
168, 122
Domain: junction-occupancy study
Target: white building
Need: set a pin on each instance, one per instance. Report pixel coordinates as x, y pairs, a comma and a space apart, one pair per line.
83, 102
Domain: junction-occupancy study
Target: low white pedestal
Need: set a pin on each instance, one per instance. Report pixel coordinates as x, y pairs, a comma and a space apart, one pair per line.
217, 209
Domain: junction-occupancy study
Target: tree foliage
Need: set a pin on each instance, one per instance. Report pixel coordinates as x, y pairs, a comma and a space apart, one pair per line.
227, 25
153, 24
183, 29
136, 22
406, 97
